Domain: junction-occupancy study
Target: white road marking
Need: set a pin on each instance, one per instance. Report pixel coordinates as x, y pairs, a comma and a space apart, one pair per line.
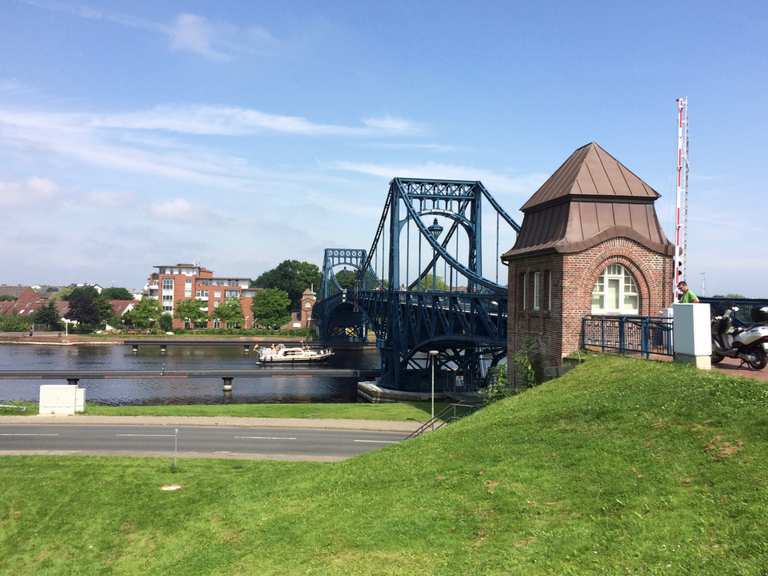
148, 435
26, 434
378, 441
265, 438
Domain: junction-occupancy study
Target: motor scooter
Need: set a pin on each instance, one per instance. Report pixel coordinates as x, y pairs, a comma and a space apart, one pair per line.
733, 338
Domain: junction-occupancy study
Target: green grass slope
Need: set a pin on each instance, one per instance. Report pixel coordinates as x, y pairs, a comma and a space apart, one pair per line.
620, 467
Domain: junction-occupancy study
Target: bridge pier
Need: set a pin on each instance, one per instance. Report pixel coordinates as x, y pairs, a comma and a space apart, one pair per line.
227, 387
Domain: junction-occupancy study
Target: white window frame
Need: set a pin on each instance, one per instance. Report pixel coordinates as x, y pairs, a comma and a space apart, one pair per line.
536, 291
627, 290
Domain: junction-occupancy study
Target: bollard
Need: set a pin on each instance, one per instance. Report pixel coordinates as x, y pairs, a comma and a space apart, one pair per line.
163, 348
227, 386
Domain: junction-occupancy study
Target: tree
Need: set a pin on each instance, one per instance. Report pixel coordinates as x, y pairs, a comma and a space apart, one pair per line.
270, 308
190, 311
116, 293
48, 317
166, 322
7, 298
293, 277
88, 307
730, 295
346, 278
145, 314
229, 313
426, 284
14, 323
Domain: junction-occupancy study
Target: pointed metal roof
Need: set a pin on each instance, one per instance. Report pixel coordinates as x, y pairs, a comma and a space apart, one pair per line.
587, 173
590, 198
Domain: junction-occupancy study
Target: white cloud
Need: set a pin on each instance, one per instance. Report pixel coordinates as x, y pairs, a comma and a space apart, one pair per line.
186, 33
26, 192
232, 120
191, 33
108, 198
391, 124
174, 209
495, 182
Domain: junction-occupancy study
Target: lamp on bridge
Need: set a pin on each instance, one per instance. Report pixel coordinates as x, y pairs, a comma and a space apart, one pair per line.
435, 229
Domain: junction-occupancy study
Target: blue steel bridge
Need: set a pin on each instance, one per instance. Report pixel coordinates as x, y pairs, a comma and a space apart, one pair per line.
421, 287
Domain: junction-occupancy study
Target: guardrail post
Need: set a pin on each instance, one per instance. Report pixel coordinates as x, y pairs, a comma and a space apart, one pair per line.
644, 338
602, 334
227, 386
622, 340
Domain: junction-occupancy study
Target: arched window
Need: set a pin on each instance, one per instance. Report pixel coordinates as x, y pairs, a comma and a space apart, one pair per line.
615, 292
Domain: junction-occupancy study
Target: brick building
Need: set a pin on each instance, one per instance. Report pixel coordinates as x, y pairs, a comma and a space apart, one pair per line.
590, 243
173, 283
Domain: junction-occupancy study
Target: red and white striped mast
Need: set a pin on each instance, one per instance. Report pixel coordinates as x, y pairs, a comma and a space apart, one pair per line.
681, 196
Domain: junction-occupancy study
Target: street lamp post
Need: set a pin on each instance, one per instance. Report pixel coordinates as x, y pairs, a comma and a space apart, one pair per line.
435, 229
433, 360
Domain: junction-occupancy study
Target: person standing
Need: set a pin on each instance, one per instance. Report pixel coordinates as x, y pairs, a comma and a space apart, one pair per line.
687, 295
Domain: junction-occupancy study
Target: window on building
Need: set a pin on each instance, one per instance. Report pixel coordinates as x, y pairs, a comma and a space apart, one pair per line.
549, 290
231, 294
524, 291
168, 308
167, 283
615, 292
167, 297
217, 294
537, 290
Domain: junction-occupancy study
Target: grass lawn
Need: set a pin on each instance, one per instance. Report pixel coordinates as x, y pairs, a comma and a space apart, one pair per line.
620, 467
401, 411
418, 411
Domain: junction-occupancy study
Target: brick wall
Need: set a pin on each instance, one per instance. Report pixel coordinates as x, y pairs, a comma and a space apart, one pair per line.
555, 329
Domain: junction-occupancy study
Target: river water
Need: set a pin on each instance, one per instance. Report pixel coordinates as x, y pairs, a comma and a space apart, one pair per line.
175, 391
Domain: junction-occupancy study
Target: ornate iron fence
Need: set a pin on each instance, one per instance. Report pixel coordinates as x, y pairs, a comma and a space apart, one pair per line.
644, 335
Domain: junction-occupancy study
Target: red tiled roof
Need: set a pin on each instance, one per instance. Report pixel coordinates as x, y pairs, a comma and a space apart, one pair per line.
120, 307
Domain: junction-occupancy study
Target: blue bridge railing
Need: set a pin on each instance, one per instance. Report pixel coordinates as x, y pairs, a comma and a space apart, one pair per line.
644, 335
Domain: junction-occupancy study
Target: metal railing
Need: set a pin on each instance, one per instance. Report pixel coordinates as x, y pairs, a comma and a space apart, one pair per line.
644, 335
746, 305
449, 414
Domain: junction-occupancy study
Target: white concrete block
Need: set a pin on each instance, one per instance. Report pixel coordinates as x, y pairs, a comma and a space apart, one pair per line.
693, 334
58, 399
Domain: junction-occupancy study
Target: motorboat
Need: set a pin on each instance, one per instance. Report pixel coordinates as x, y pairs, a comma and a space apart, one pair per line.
297, 354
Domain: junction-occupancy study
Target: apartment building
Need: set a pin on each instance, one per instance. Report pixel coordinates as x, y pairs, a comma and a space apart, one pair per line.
172, 283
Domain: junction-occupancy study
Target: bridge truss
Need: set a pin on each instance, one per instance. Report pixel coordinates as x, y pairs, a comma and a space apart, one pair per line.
421, 286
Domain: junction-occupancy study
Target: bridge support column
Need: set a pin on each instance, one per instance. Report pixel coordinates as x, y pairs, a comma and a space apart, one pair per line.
163, 348
227, 386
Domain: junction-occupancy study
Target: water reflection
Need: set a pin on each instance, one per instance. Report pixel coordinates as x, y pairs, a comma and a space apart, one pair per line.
197, 390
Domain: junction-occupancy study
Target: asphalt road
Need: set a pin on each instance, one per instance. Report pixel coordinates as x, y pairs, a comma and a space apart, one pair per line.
203, 441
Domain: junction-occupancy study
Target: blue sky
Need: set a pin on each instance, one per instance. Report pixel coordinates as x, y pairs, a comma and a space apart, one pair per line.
239, 134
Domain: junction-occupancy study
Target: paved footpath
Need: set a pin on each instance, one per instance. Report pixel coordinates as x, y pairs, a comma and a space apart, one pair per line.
324, 440
734, 367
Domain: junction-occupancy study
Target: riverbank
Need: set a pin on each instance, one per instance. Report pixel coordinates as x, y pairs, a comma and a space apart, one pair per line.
60, 339
390, 411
